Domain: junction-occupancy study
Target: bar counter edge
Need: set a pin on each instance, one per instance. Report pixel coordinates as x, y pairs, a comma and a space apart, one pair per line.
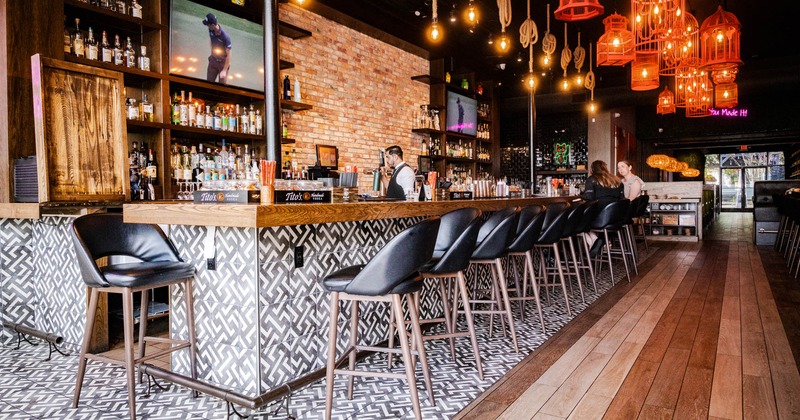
258, 216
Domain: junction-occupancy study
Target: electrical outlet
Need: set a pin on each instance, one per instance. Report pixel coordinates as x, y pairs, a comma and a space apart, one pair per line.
211, 263
298, 256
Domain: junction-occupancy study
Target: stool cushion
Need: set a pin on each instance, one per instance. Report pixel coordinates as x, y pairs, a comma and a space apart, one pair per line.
339, 280
144, 274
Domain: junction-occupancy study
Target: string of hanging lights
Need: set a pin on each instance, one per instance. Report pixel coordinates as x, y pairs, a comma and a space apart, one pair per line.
548, 41
579, 56
566, 57
528, 36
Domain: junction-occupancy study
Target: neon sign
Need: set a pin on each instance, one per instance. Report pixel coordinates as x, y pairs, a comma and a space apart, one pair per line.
728, 112
561, 153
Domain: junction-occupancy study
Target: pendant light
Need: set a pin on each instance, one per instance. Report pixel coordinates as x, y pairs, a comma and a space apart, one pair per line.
548, 42
566, 58
588, 83
719, 38
435, 32
726, 95
615, 46
644, 71
682, 44
504, 7
575, 10
579, 55
666, 102
528, 36
472, 13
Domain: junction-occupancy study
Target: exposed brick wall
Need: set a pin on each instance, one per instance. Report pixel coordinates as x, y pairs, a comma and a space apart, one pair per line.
361, 90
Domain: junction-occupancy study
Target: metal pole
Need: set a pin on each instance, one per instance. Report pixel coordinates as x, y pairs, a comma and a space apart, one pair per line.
272, 101
532, 137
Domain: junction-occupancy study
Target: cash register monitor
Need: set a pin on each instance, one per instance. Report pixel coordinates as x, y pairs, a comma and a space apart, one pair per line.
327, 157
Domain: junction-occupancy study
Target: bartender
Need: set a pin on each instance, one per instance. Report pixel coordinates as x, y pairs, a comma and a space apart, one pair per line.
402, 180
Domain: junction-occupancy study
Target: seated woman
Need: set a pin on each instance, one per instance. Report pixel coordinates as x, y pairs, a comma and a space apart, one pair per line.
633, 185
605, 188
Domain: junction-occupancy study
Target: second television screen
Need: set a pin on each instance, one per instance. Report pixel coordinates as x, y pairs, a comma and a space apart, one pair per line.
462, 114
198, 48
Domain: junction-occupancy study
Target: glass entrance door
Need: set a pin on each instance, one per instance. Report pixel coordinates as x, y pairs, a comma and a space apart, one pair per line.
752, 175
731, 186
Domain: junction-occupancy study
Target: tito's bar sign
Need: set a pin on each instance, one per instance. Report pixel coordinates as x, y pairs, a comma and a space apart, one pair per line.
285, 196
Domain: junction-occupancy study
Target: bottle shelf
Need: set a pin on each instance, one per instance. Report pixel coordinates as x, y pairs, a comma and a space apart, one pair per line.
287, 140
98, 15
204, 133
286, 65
139, 126
131, 74
292, 31
567, 172
426, 131
295, 106
220, 93
485, 119
428, 80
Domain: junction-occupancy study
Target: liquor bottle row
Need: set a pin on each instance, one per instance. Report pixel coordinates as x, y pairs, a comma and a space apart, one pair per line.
139, 110
425, 117
193, 163
143, 171
132, 8
484, 110
459, 150
483, 153
225, 117
75, 43
484, 131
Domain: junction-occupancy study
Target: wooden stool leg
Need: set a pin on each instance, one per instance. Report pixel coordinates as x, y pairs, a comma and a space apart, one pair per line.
574, 256
561, 277
390, 356
608, 254
462, 289
142, 327
130, 367
624, 256
529, 268
331, 364
446, 313
87, 338
397, 306
352, 349
506, 303
189, 298
413, 313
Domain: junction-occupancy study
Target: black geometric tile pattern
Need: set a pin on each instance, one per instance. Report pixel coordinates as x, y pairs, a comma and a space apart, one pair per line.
32, 388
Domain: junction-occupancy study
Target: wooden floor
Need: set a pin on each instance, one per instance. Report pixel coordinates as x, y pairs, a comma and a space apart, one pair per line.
697, 334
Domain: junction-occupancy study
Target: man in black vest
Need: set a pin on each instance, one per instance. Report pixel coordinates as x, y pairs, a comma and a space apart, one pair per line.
402, 180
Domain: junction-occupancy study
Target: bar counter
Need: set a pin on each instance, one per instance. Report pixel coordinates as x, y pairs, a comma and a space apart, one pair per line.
260, 216
260, 317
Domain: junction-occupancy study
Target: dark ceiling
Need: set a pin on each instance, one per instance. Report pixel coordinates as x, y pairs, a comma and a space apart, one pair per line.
765, 29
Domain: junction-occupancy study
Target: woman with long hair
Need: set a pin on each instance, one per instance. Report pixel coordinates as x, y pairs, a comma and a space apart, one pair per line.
605, 188
632, 184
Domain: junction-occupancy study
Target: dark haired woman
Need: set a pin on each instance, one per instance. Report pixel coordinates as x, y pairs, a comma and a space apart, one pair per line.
605, 188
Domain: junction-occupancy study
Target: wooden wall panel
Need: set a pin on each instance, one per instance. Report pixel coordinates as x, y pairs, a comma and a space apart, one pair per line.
18, 42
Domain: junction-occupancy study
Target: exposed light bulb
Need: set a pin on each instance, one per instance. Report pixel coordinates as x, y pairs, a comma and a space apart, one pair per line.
565, 84
638, 19
546, 60
644, 73
504, 43
678, 12
725, 94
531, 82
615, 42
300, 1
719, 37
471, 14
578, 81
435, 32
656, 10
592, 107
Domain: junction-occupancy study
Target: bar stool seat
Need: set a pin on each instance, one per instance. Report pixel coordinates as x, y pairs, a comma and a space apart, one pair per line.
391, 274
101, 235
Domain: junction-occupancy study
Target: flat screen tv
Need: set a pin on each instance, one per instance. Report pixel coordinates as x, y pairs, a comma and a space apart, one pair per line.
328, 157
193, 54
462, 114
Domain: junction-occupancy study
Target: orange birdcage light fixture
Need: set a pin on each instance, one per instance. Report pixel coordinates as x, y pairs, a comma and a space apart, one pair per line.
685, 82
699, 95
615, 46
719, 38
654, 21
726, 95
575, 10
666, 102
726, 75
681, 44
657, 161
644, 71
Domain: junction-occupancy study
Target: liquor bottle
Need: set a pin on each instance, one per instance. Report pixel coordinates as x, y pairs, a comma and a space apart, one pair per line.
175, 162
209, 121
244, 122
106, 54
118, 54
184, 110
259, 123
192, 111
107, 4
121, 6
424, 149
252, 116
133, 172
77, 40
136, 9
146, 109
287, 88
284, 130
67, 39
91, 46
144, 60
130, 54
186, 163
297, 89
217, 121
176, 109
224, 115
199, 118
152, 168
233, 120
133, 109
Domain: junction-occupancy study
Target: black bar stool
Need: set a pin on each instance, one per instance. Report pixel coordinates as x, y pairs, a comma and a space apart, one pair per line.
611, 219
529, 227
641, 212
454, 243
574, 216
627, 227
590, 212
494, 237
392, 273
549, 239
103, 235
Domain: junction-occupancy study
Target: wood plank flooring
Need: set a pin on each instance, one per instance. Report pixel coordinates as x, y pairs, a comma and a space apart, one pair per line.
698, 334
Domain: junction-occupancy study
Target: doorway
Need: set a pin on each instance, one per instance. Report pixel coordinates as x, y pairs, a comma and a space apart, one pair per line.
736, 174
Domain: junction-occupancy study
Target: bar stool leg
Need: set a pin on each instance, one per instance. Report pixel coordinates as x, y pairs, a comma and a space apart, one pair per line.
561, 276
449, 323
87, 338
577, 270
142, 327
634, 250
497, 298
608, 254
189, 298
462, 289
624, 257
397, 307
529, 268
353, 342
130, 367
331, 364
507, 303
416, 331
589, 261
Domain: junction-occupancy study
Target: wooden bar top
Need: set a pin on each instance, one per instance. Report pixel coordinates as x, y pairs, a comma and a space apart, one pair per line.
258, 216
19, 211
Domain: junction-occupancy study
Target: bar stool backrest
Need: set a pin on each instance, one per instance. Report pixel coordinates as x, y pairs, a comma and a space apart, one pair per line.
456, 257
524, 240
453, 225
612, 216
633, 208
574, 217
551, 232
526, 215
496, 234
643, 202
104, 234
399, 259
553, 210
590, 212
